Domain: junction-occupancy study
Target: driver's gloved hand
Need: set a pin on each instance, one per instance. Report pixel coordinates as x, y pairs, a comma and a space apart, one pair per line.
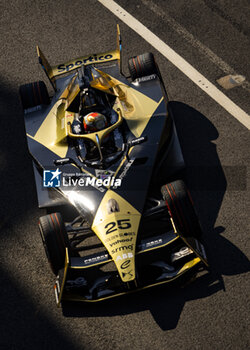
77, 127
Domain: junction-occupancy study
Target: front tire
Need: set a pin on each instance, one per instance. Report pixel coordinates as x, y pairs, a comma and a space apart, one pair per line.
181, 209
55, 240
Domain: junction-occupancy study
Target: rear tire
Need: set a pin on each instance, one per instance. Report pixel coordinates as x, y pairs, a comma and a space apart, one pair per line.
181, 209
142, 65
34, 94
55, 240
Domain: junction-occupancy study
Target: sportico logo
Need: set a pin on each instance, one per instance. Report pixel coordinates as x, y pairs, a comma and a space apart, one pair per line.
79, 62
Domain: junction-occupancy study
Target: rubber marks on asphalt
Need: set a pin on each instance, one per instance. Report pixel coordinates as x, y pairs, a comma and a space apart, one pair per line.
179, 62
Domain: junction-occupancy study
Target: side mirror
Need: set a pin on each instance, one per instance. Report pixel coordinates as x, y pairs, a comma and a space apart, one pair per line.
137, 141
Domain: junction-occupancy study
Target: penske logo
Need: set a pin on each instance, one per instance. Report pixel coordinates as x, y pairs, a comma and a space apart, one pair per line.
91, 59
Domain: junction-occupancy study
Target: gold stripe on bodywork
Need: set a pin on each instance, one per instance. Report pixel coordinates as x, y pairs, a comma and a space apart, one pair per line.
137, 107
144, 108
52, 133
189, 264
118, 232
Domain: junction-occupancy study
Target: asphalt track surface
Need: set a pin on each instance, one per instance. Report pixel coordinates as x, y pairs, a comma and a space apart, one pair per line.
211, 313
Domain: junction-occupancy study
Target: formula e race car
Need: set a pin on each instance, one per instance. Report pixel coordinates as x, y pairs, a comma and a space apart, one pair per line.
107, 164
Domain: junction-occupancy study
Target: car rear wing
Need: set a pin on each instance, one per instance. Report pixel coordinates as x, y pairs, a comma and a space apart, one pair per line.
53, 72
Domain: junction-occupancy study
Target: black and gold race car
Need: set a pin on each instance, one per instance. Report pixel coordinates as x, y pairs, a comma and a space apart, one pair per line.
119, 217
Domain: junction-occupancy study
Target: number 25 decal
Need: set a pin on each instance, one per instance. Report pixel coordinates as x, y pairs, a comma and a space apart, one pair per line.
123, 224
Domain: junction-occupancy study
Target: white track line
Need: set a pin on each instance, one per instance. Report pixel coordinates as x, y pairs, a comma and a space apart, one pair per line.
225, 67
179, 62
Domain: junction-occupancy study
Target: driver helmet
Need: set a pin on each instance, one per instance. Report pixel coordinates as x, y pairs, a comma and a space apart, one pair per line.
94, 121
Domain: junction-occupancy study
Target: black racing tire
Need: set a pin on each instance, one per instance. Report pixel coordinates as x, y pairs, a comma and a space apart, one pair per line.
142, 65
55, 240
181, 209
34, 94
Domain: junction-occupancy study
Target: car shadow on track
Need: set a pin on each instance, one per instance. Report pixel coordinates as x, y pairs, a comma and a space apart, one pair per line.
206, 180
164, 303
16, 174
24, 324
